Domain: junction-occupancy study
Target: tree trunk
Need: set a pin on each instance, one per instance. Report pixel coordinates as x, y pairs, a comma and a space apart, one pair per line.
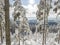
1, 33
44, 30
7, 24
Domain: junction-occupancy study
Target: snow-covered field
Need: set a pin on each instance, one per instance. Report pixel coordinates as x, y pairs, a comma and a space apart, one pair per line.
34, 40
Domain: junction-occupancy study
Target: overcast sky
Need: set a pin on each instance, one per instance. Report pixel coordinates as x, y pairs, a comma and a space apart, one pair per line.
31, 6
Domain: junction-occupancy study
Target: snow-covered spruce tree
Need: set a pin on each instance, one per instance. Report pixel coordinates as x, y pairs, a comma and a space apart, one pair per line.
7, 22
24, 28
42, 14
17, 5
19, 14
57, 11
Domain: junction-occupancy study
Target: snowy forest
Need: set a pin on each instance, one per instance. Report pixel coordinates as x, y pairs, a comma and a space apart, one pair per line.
29, 22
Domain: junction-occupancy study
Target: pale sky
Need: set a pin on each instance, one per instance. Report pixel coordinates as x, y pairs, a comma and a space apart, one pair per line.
31, 8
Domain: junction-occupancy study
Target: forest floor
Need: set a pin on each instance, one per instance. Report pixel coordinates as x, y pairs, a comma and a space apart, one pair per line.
34, 39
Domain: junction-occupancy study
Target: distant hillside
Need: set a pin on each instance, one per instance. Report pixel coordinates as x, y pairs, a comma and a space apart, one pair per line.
50, 22
32, 22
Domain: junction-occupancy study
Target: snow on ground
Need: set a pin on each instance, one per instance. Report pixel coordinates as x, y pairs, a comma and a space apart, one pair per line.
33, 40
